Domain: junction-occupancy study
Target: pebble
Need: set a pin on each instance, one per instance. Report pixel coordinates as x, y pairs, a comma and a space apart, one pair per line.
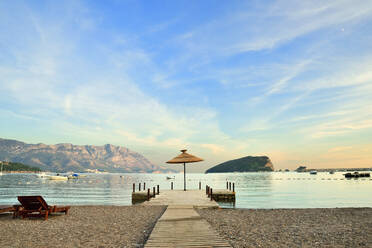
339, 227
84, 226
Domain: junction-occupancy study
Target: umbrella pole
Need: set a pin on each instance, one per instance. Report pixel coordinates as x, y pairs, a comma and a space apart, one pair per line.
184, 176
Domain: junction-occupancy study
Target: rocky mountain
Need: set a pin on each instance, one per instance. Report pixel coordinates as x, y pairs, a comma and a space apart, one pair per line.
69, 157
245, 164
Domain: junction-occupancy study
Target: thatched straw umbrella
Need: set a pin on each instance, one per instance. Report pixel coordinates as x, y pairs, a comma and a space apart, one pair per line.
184, 158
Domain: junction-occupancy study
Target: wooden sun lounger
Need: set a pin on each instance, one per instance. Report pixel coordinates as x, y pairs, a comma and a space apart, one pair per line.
6, 209
36, 206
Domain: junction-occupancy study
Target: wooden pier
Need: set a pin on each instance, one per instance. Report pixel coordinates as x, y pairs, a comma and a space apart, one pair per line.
181, 225
196, 198
189, 197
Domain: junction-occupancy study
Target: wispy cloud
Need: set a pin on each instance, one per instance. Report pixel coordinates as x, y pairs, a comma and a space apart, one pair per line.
256, 78
278, 23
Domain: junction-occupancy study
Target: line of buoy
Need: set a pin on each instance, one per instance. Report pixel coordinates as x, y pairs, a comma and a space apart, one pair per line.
335, 179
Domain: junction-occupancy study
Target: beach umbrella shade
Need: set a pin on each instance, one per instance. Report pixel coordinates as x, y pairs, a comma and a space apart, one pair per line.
184, 158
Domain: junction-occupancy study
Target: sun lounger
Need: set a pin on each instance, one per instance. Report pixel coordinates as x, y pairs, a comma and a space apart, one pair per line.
36, 206
6, 209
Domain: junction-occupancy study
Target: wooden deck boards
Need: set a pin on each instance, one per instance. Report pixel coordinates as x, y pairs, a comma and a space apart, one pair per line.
196, 198
182, 226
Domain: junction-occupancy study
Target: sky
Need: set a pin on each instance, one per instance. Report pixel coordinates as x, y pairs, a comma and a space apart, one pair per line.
291, 80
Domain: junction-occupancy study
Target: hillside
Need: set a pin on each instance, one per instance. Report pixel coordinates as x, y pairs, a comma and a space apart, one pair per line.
69, 157
9, 166
245, 164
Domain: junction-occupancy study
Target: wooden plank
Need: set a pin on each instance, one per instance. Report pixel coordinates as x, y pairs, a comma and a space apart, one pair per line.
196, 198
184, 227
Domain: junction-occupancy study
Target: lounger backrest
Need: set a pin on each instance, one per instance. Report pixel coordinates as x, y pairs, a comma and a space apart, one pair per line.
33, 202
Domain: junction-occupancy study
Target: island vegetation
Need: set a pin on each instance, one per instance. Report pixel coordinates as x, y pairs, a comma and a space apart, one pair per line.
18, 167
245, 164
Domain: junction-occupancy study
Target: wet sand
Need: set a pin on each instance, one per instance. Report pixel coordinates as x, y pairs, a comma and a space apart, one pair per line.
334, 227
84, 226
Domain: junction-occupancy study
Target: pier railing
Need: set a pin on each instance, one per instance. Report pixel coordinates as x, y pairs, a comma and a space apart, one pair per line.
142, 194
227, 195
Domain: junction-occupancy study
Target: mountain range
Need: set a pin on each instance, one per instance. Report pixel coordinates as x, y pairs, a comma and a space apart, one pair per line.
68, 157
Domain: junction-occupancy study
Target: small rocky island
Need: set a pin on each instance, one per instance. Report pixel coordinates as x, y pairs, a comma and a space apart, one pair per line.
245, 164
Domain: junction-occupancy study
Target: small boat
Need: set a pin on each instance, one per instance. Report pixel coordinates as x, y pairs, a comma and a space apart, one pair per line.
58, 177
313, 172
42, 175
169, 178
73, 176
356, 175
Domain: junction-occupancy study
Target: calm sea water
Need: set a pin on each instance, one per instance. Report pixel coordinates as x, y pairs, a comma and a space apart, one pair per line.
254, 190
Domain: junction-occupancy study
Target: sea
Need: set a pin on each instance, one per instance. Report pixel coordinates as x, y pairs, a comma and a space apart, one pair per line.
267, 190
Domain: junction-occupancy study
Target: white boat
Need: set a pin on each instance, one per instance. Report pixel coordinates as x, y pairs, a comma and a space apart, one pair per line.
60, 178
313, 172
42, 175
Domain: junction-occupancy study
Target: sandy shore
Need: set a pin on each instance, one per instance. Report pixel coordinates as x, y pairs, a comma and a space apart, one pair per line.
342, 227
84, 226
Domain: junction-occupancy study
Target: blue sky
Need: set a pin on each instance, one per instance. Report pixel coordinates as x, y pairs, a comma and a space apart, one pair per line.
288, 79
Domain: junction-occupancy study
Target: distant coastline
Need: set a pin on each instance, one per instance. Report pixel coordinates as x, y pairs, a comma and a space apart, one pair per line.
11, 172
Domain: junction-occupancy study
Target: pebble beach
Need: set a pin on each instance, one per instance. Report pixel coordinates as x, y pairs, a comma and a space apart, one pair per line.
130, 226
83, 226
329, 227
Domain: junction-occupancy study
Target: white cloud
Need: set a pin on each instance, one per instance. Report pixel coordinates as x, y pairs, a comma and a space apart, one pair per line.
100, 91
267, 27
215, 149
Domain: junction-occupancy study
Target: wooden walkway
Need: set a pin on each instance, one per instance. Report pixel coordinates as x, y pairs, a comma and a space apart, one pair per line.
181, 225
196, 198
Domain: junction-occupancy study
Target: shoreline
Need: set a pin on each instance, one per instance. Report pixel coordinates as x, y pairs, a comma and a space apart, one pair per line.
26, 172
220, 207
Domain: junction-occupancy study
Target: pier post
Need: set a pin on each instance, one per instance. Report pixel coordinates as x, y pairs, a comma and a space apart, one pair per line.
184, 176
230, 186
134, 187
227, 185
144, 186
171, 185
139, 187
199, 185
211, 194
233, 187
206, 189
148, 194
153, 191
158, 189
